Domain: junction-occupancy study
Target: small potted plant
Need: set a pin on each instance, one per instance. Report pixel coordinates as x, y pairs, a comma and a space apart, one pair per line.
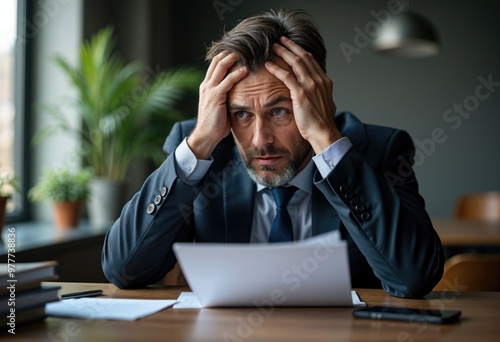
9, 184
68, 190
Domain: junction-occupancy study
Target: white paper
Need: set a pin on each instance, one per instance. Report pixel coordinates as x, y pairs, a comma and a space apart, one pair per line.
355, 300
188, 300
107, 308
287, 273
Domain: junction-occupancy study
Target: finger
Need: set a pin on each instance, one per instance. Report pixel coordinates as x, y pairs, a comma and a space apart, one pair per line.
213, 64
304, 66
232, 78
299, 51
295, 62
283, 75
221, 68
297, 57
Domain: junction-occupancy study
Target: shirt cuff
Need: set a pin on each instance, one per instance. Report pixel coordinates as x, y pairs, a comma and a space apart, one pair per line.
331, 156
189, 169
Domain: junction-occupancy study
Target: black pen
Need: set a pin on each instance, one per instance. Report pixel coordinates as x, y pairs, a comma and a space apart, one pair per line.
74, 295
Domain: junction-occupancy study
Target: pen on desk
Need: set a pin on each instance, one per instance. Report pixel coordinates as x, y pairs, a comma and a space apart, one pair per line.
74, 295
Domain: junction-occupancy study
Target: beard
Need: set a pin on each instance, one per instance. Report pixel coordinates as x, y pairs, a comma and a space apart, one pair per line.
267, 175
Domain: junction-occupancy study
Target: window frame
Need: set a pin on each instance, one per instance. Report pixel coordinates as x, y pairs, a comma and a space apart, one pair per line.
23, 112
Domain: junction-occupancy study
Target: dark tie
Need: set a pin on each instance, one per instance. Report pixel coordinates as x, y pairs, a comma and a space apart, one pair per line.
281, 230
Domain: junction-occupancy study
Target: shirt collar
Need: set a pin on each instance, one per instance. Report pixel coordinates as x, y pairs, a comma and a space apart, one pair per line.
302, 180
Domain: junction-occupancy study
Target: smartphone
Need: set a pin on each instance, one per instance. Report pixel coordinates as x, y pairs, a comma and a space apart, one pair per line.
408, 314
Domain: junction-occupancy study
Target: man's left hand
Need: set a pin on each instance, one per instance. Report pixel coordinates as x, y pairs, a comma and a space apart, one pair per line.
311, 94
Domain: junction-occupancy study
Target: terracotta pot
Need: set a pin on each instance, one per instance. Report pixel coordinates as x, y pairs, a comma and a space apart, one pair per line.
66, 214
107, 199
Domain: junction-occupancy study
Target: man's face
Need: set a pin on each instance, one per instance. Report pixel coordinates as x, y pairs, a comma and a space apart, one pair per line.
263, 125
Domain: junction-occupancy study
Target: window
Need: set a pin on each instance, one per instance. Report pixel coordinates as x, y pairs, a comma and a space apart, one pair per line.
12, 94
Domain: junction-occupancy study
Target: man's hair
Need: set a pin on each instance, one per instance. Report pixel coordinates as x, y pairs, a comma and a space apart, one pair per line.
252, 39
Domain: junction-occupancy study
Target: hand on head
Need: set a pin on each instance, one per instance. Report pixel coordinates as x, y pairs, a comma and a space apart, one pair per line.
213, 124
310, 91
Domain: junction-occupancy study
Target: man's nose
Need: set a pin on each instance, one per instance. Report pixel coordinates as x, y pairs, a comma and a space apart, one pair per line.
263, 134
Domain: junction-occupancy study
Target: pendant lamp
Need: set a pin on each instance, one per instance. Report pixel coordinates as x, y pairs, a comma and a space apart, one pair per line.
407, 34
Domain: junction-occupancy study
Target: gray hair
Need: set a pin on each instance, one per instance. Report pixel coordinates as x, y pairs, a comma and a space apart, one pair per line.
252, 39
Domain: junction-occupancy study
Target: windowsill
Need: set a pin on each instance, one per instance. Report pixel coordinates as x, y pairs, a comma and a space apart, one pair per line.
35, 235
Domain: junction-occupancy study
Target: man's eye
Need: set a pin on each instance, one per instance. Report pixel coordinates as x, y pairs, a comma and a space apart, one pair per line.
280, 111
241, 115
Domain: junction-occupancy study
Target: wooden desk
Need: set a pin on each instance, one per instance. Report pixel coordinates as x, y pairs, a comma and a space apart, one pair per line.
460, 232
480, 312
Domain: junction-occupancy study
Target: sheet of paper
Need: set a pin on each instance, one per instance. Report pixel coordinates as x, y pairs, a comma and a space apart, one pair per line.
355, 300
107, 308
188, 300
288, 274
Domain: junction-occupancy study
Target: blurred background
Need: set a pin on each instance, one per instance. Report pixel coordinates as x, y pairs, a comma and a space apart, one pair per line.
449, 103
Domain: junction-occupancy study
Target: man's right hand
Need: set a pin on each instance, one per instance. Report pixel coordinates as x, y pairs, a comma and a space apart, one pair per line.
213, 123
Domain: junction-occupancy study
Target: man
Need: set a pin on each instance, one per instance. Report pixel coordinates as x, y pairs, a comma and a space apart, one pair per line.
266, 120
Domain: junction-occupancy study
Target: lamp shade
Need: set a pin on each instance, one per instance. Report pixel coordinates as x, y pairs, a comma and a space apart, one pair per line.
408, 34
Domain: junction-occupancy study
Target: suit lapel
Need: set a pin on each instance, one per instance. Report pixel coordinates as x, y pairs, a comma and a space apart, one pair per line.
239, 193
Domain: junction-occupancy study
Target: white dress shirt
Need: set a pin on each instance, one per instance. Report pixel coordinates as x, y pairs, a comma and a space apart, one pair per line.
191, 170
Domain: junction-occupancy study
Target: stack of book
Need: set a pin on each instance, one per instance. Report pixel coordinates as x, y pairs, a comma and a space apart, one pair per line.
22, 296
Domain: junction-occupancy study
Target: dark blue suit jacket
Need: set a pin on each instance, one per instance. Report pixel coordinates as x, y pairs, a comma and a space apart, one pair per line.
371, 196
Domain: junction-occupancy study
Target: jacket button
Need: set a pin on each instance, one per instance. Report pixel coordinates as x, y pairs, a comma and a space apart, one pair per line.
344, 188
349, 195
359, 208
365, 216
355, 201
163, 191
157, 199
151, 208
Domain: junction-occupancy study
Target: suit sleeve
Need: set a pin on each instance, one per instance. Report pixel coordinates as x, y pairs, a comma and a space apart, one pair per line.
383, 212
137, 249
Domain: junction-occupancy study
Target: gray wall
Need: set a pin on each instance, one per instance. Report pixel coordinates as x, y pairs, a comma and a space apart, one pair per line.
412, 94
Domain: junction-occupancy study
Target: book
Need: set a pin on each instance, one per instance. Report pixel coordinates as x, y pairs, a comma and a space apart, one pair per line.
22, 273
22, 300
31, 285
22, 295
29, 315
26, 276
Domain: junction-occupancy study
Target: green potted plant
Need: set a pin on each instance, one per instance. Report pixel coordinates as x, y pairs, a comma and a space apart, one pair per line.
125, 117
67, 190
9, 183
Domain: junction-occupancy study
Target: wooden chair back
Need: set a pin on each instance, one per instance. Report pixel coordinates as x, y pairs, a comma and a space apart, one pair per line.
480, 206
471, 272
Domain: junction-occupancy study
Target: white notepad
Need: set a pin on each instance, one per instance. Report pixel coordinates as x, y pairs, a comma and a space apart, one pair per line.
107, 308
